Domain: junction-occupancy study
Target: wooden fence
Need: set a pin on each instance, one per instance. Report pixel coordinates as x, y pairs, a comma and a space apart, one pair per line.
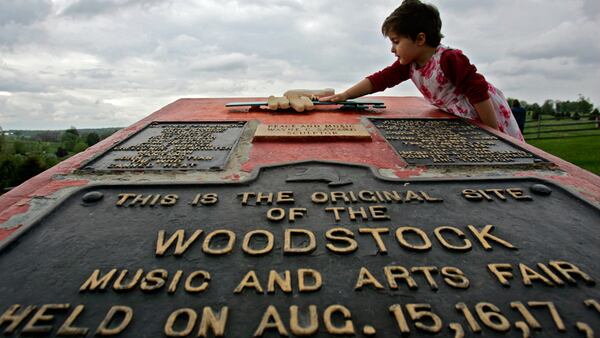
548, 129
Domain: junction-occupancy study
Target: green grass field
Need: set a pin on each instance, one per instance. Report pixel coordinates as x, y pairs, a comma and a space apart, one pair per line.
581, 151
580, 147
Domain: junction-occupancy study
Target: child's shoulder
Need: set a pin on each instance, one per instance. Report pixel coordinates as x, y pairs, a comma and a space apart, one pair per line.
449, 55
446, 50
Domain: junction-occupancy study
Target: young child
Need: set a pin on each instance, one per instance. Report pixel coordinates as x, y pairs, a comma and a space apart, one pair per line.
443, 75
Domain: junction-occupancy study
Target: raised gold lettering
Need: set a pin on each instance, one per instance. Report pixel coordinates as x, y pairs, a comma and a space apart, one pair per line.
285, 197
275, 214
284, 284
335, 195
105, 329
567, 270
190, 320
313, 321
484, 235
169, 200
397, 272
296, 212
517, 194
140, 199
304, 275
155, 279
427, 272
502, 272
118, 284
472, 195
346, 329
41, 316
250, 280
215, 323
264, 197
375, 233
426, 243
11, 316
245, 196
66, 329
346, 236
179, 236
378, 212
528, 274
336, 211
551, 274
412, 196
466, 243
319, 198
205, 277
206, 247
255, 252
123, 198
364, 278
288, 243
95, 282
360, 211
455, 277
271, 320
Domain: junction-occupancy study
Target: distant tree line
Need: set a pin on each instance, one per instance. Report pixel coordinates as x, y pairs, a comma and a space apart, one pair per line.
581, 108
24, 154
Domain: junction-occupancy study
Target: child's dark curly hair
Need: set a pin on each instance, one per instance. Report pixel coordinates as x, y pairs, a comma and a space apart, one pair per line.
414, 17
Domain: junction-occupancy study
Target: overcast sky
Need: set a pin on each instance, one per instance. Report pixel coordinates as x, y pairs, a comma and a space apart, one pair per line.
101, 63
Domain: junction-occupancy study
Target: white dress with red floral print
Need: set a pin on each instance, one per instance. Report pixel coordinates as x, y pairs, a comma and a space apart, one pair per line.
439, 91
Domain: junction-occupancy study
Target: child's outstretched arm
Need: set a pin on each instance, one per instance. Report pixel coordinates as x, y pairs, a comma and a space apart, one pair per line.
486, 113
459, 70
363, 87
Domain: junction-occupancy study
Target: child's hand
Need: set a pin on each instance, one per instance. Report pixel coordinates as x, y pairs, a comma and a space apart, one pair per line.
310, 93
335, 98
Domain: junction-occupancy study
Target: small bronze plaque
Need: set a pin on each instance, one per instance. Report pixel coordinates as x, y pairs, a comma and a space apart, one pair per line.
309, 249
449, 142
173, 146
311, 132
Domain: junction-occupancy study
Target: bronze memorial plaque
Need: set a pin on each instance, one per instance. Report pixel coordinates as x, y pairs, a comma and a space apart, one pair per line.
308, 249
311, 132
173, 146
449, 142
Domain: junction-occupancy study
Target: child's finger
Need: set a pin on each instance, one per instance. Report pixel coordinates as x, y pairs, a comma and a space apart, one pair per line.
333, 98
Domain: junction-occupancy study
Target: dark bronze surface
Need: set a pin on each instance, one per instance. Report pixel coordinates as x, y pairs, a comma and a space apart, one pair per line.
449, 142
173, 146
51, 260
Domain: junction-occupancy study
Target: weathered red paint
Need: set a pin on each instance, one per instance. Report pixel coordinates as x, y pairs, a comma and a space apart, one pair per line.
408, 173
377, 153
232, 177
4, 233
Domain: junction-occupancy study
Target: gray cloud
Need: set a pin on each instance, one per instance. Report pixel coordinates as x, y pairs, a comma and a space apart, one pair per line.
89, 8
20, 21
23, 12
591, 8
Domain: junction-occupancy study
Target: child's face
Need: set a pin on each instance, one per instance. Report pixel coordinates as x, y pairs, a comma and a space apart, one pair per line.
405, 49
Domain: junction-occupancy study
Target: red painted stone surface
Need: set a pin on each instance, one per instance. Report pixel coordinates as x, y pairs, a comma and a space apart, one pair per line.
377, 153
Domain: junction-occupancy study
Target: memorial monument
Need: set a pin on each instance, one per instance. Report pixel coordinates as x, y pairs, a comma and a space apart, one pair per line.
368, 220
